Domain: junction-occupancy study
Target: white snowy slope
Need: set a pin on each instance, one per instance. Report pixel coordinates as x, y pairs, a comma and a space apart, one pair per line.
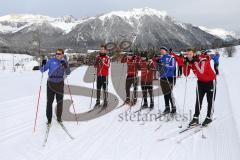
16, 22
135, 13
219, 32
108, 138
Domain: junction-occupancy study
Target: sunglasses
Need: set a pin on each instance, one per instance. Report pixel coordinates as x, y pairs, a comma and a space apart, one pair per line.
58, 54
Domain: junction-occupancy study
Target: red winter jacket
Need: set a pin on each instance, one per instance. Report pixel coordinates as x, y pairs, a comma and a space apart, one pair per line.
205, 55
102, 64
147, 70
179, 59
202, 69
132, 69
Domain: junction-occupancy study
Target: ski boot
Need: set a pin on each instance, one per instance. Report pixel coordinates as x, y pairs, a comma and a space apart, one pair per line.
206, 122
151, 105
97, 104
133, 102
144, 106
127, 101
166, 111
173, 112
59, 120
194, 122
48, 123
105, 103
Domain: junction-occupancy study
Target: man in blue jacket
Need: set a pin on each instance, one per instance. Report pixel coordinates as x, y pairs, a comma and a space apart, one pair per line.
166, 66
215, 58
57, 67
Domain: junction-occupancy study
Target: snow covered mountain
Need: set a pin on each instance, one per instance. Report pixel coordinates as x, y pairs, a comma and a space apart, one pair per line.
151, 27
221, 33
16, 22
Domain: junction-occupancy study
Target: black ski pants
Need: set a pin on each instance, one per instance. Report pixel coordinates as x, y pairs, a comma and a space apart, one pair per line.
147, 87
208, 88
54, 89
167, 87
131, 81
216, 68
101, 83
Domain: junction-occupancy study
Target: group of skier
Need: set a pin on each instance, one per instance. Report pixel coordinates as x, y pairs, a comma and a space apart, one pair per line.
165, 64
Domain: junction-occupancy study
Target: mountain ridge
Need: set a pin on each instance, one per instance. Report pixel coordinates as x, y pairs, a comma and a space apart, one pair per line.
151, 27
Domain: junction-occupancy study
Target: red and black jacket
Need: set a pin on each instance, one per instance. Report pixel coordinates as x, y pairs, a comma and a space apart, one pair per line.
179, 59
102, 64
201, 68
148, 70
132, 63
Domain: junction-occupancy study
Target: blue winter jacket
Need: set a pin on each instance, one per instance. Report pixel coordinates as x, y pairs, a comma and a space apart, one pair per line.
56, 70
215, 58
166, 66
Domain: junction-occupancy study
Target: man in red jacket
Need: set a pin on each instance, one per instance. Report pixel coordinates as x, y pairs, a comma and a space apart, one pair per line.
180, 61
201, 67
131, 79
102, 65
147, 73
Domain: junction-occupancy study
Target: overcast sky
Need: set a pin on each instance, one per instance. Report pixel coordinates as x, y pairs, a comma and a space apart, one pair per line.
211, 13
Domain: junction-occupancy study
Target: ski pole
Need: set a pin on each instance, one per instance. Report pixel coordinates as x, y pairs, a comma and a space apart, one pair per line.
107, 87
159, 82
135, 82
214, 96
70, 93
199, 107
120, 79
184, 100
38, 100
94, 79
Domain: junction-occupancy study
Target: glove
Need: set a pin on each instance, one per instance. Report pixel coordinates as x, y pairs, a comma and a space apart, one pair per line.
149, 67
187, 61
63, 63
98, 62
195, 59
44, 62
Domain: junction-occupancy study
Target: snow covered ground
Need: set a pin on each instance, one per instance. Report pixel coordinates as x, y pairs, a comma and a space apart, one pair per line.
110, 138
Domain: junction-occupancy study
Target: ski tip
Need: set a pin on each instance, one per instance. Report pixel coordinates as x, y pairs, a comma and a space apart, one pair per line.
161, 140
204, 137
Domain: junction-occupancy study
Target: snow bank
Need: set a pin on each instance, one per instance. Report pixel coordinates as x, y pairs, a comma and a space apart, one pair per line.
230, 70
17, 62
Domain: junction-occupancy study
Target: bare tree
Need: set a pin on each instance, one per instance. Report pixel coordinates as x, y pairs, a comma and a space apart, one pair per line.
230, 51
